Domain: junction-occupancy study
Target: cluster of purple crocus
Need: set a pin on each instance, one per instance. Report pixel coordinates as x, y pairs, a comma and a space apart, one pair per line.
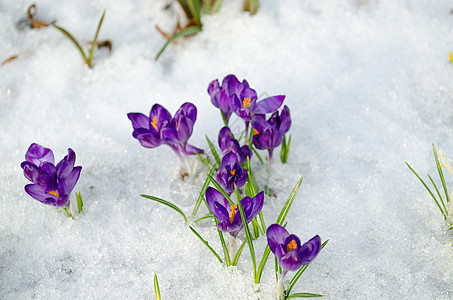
51, 184
238, 97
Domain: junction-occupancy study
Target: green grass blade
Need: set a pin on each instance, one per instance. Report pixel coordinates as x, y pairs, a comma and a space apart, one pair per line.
238, 253
95, 39
216, 6
441, 175
74, 41
208, 216
165, 202
256, 228
220, 189
188, 31
263, 261
207, 6
251, 6
185, 8
226, 252
251, 178
205, 161
79, 202
206, 244
289, 202
156, 287
256, 153
214, 151
202, 193
194, 7
427, 188
304, 295
300, 272
441, 200
247, 232
285, 149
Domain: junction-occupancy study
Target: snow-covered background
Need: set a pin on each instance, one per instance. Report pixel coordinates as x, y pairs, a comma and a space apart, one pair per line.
369, 85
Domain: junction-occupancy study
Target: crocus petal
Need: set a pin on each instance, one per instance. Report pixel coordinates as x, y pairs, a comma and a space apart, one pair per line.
139, 120
276, 235
169, 135
66, 165
231, 159
214, 92
31, 171
147, 138
230, 84
72, 179
184, 127
232, 228
38, 192
163, 117
308, 251
191, 150
290, 261
268, 105
285, 121
245, 152
37, 155
224, 137
258, 202
189, 110
213, 196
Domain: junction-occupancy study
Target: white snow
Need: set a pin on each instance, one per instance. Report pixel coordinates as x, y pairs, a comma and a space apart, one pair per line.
369, 84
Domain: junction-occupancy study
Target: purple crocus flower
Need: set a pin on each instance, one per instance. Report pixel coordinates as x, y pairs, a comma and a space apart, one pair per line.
231, 173
269, 134
228, 144
291, 255
245, 104
160, 128
221, 95
51, 184
228, 215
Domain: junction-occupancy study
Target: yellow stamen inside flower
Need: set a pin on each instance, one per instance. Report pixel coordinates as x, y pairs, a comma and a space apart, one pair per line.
55, 193
154, 123
255, 132
442, 166
291, 246
246, 102
233, 212
232, 172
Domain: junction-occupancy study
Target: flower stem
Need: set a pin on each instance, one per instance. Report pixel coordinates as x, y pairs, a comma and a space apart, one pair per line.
247, 132
232, 246
270, 158
280, 287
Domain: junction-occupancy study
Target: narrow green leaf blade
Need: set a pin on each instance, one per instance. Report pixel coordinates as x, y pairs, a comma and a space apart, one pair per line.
214, 151
202, 192
188, 31
304, 295
156, 287
441, 175
79, 202
74, 41
95, 39
165, 202
238, 253
289, 202
220, 189
206, 244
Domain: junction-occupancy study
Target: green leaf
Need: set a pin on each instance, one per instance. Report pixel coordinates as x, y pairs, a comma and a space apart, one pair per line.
214, 151
194, 7
304, 295
256, 153
440, 197
67, 212
251, 6
185, 8
238, 253
285, 149
300, 272
220, 189
208, 216
74, 41
79, 202
156, 287
207, 6
263, 261
247, 232
202, 192
441, 175
95, 39
289, 202
204, 160
206, 244
165, 202
216, 6
226, 253
188, 31
428, 189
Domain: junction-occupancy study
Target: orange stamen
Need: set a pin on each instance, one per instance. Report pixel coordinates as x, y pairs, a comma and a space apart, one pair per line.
232, 172
55, 193
246, 102
233, 212
154, 123
255, 132
291, 246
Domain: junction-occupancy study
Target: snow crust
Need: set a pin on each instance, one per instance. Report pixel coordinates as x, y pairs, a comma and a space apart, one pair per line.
369, 85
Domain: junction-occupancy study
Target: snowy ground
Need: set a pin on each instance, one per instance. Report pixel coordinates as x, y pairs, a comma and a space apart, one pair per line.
369, 85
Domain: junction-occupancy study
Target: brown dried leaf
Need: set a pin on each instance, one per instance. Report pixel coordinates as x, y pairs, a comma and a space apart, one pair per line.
11, 58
